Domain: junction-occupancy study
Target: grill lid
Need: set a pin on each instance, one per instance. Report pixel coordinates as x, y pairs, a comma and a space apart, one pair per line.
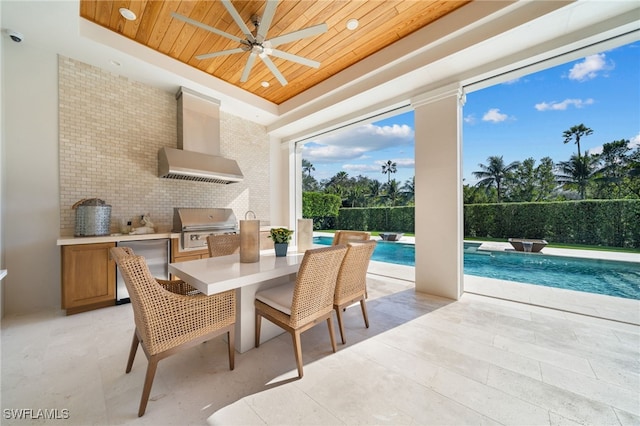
197, 219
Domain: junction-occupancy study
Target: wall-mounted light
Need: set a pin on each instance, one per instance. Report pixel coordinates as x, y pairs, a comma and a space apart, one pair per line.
352, 24
127, 14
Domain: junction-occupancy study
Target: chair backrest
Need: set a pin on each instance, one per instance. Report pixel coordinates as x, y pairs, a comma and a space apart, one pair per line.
223, 244
316, 283
345, 237
118, 253
352, 277
144, 292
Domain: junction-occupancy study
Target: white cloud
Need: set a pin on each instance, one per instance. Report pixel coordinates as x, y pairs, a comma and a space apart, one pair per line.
357, 142
360, 168
494, 115
470, 119
561, 106
589, 68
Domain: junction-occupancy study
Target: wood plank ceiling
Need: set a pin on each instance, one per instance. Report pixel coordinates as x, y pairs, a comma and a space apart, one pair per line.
381, 23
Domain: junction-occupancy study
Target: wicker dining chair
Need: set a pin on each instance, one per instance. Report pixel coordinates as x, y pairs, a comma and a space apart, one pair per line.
167, 322
351, 284
344, 237
223, 244
299, 305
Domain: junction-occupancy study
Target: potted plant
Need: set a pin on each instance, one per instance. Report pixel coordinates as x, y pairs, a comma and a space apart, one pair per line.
281, 238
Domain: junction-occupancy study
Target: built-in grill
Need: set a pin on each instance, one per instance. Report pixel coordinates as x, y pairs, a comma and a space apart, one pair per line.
195, 224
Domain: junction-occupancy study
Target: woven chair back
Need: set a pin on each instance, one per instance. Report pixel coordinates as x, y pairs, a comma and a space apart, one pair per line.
345, 237
352, 277
223, 245
316, 283
136, 276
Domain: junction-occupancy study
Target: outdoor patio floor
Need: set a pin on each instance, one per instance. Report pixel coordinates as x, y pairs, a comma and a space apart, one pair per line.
424, 360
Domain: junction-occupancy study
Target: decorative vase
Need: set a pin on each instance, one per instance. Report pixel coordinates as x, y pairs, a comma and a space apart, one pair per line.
281, 249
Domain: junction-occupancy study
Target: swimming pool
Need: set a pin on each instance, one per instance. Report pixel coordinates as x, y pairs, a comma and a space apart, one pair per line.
613, 278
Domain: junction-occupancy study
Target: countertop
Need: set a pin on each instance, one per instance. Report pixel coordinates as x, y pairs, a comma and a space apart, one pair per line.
114, 238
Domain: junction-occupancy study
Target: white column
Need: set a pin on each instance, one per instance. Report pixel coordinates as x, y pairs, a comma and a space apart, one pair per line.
439, 208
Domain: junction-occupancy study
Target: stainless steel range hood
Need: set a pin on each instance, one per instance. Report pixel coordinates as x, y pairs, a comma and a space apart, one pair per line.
198, 155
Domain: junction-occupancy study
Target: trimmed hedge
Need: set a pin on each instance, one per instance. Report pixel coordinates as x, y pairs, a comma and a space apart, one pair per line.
390, 219
613, 223
322, 208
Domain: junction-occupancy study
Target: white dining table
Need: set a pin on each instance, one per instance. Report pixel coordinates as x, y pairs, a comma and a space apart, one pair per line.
217, 274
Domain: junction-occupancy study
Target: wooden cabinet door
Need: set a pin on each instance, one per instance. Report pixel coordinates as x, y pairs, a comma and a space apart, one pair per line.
88, 277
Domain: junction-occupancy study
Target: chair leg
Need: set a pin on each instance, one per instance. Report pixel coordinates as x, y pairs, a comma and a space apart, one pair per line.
132, 352
148, 382
340, 325
297, 348
258, 323
231, 337
363, 305
331, 335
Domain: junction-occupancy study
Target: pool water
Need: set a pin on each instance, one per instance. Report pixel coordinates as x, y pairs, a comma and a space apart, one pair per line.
612, 278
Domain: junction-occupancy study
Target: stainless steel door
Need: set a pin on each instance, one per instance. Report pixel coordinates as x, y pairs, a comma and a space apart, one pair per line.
155, 253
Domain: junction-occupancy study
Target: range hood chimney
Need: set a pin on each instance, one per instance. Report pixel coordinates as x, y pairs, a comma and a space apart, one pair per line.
198, 155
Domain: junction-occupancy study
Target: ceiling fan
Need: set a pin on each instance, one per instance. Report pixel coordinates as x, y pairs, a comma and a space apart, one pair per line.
256, 43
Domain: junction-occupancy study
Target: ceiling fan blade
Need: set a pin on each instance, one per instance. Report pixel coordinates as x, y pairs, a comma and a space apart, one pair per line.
295, 58
297, 35
238, 19
206, 27
220, 53
247, 67
267, 17
274, 70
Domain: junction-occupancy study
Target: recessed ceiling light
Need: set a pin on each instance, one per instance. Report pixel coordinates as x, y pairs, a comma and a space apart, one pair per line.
114, 62
352, 24
265, 84
127, 14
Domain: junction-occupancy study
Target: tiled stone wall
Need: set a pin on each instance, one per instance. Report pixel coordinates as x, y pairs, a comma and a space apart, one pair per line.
111, 129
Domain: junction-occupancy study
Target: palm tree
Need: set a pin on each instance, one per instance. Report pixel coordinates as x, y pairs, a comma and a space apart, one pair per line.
307, 167
576, 132
409, 189
494, 174
388, 168
577, 173
392, 192
375, 191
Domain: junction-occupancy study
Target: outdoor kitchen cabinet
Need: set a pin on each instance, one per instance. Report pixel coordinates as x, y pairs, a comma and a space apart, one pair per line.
88, 277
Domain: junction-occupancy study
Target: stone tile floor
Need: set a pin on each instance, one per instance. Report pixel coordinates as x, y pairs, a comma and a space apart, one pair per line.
424, 360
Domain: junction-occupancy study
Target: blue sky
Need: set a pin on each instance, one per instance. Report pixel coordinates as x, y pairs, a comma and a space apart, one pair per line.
518, 119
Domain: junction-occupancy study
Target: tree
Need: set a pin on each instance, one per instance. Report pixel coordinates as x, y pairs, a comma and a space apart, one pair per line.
307, 167
408, 190
338, 185
388, 168
576, 132
375, 192
576, 173
494, 174
545, 180
392, 192
310, 184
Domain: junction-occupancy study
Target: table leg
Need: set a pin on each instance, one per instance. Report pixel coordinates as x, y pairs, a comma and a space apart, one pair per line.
246, 320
